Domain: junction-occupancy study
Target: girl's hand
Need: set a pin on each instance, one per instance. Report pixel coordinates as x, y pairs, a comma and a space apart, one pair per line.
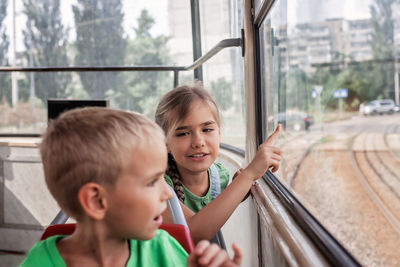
267, 156
206, 254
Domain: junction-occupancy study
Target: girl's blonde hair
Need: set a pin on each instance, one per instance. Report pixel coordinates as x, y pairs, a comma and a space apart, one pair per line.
175, 105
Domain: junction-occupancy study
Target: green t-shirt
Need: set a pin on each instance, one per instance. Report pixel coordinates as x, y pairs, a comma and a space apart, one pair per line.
196, 203
162, 250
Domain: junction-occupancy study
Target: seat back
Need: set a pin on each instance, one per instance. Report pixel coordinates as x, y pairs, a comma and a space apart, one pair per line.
178, 231
181, 234
58, 229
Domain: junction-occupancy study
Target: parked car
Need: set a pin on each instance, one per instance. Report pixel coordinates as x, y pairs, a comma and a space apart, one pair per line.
293, 120
384, 106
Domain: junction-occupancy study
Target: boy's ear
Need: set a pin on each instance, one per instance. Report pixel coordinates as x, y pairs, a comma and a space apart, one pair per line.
93, 200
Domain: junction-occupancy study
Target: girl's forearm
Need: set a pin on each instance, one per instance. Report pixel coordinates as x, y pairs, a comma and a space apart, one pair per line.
206, 223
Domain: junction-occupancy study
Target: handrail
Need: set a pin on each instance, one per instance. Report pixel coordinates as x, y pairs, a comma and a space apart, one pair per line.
231, 42
233, 149
97, 68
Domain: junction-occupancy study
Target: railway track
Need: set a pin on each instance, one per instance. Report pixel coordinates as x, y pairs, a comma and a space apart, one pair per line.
378, 169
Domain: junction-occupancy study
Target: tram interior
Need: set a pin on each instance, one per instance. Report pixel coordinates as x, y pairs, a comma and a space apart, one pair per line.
312, 66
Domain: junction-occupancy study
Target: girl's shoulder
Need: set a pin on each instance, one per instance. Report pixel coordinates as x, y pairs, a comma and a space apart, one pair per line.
221, 169
223, 174
168, 180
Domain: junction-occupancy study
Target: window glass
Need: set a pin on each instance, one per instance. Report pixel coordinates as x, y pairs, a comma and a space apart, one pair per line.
223, 74
330, 74
86, 33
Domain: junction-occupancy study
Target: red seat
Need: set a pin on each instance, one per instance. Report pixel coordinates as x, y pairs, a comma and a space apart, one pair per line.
58, 229
181, 234
178, 231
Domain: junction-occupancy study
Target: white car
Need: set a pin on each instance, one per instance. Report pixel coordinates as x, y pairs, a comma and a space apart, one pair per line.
384, 106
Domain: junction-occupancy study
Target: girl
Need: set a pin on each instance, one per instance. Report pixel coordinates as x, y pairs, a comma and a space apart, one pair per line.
191, 122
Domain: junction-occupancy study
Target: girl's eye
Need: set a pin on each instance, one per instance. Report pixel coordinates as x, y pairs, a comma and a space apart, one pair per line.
182, 134
206, 130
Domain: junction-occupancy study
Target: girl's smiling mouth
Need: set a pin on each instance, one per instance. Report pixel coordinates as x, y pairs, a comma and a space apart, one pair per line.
198, 156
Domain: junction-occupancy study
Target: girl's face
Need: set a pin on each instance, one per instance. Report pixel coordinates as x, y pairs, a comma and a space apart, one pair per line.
195, 141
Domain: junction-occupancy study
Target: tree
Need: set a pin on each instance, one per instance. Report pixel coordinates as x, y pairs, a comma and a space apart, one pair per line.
5, 85
297, 94
45, 39
382, 44
221, 90
143, 89
100, 41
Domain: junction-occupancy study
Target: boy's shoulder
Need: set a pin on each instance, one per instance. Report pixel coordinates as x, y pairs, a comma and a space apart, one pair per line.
44, 253
162, 250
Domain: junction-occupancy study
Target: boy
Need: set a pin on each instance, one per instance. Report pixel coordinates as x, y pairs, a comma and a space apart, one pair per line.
105, 168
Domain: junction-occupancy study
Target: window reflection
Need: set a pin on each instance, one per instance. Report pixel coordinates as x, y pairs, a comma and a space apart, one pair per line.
331, 79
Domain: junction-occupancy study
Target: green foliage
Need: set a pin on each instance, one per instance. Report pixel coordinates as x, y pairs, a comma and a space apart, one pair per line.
45, 39
143, 89
221, 91
100, 41
5, 80
382, 44
297, 92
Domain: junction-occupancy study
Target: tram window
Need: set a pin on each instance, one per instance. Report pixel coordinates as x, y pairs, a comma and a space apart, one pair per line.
223, 74
89, 34
340, 160
130, 91
228, 92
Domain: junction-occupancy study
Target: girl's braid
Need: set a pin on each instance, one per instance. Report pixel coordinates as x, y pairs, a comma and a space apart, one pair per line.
173, 173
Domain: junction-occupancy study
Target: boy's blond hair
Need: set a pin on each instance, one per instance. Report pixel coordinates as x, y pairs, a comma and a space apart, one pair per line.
90, 145
175, 105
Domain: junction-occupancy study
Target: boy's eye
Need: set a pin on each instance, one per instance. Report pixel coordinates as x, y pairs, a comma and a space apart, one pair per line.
153, 182
206, 130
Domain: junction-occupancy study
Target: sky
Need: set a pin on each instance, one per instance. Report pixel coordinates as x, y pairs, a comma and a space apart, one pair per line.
317, 10
132, 8
298, 11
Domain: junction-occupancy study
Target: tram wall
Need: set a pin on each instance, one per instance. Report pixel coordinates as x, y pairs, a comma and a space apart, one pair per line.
241, 228
26, 205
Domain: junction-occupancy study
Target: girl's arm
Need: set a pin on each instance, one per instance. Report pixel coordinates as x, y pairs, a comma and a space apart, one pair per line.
217, 212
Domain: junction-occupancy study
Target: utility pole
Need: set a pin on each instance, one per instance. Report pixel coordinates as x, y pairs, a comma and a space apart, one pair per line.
396, 68
318, 90
32, 84
14, 83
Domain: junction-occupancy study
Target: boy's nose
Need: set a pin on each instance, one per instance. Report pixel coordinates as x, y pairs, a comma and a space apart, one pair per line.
166, 193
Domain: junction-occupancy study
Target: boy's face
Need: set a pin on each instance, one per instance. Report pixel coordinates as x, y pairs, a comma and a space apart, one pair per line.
195, 142
139, 197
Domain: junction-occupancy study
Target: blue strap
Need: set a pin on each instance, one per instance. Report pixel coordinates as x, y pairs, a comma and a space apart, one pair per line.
215, 181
